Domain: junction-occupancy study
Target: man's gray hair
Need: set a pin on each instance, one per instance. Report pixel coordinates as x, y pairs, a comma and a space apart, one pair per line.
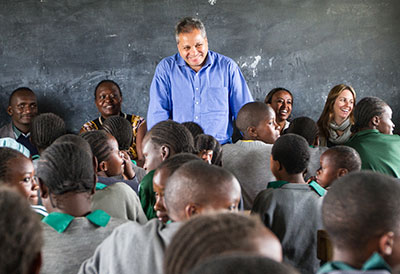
187, 24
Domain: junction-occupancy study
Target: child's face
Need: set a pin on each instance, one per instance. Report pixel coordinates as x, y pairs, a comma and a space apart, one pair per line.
152, 155
115, 162
328, 172
206, 155
268, 130
159, 179
22, 177
281, 102
108, 99
386, 125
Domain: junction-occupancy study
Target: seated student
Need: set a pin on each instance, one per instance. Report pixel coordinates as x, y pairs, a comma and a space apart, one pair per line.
336, 162
161, 174
16, 171
248, 159
71, 230
194, 128
239, 263
21, 238
22, 108
290, 207
108, 99
164, 140
117, 199
361, 215
211, 235
209, 149
307, 128
195, 188
373, 137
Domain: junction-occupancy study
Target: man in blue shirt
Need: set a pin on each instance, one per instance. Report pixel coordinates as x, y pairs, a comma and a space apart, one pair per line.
197, 85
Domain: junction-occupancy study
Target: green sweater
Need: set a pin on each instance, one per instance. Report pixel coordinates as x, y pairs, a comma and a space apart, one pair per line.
147, 196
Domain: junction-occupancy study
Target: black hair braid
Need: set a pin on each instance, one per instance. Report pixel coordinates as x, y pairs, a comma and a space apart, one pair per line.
121, 129
194, 128
7, 154
45, 129
97, 140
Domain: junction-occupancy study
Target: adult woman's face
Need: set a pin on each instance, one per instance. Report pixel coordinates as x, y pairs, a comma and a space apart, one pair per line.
343, 106
108, 99
281, 103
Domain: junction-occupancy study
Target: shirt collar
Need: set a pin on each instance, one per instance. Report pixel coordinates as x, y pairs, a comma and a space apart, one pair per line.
100, 186
276, 184
60, 221
375, 262
18, 133
319, 189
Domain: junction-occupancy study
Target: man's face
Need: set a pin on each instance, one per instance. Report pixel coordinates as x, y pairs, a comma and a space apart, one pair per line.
22, 108
193, 48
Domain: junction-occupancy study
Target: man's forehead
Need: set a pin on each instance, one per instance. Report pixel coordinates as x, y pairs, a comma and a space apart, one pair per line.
23, 95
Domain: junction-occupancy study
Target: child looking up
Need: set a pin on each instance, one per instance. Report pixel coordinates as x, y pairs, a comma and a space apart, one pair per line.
164, 140
256, 121
336, 162
71, 230
290, 207
194, 188
210, 235
361, 214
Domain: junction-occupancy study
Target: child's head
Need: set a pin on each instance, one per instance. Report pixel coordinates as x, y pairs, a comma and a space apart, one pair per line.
208, 149
194, 128
337, 161
242, 263
256, 121
65, 168
121, 129
361, 213
45, 129
21, 238
162, 173
211, 235
373, 113
165, 139
105, 148
17, 171
289, 155
305, 127
197, 187
108, 98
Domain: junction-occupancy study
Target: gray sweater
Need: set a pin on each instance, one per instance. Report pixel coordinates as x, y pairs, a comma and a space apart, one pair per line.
132, 248
63, 253
249, 162
293, 213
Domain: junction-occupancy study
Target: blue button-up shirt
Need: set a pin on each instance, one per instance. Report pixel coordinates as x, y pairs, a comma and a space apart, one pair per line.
212, 97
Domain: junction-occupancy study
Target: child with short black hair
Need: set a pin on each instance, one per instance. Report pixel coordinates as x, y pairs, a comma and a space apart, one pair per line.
71, 230
361, 213
209, 149
257, 123
336, 162
289, 206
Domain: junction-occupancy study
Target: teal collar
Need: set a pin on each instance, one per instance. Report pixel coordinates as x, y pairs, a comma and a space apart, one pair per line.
276, 184
375, 262
60, 221
319, 189
35, 157
100, 186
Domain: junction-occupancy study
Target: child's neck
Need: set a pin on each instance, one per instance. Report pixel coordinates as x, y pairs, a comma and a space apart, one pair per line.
353, 258
74, 204
292, 178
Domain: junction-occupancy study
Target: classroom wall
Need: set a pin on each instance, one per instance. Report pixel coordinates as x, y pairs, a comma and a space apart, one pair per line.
62, 49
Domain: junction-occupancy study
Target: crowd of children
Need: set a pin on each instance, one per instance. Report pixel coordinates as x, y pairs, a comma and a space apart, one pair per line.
117, 198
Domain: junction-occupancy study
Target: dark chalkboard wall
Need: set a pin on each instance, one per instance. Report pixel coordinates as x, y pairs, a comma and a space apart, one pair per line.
63, 48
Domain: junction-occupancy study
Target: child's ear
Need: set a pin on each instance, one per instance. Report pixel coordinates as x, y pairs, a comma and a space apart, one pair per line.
44, 190
386, 242
342, 171
316, 141
375, 121
95, 163
165, 152
252, 131
103, 166
191, 210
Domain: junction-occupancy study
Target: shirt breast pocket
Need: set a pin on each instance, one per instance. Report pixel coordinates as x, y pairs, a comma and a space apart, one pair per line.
217, 99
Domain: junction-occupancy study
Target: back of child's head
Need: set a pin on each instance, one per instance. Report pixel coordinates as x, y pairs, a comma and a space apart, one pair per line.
45, 129
6, 155
172, 134
173, 163
64, 167
98, 141
207, 142
201, 184
210, 235
194, 128
121, 129
344, 157
305, 127
20, 235
365, 110
77, 140
291, 150
359, 207
241, 263
251, 114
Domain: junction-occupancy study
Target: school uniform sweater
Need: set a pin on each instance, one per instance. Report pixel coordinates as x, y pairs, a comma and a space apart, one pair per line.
63, 252
120, 201
249, 162
132, 248
293, 213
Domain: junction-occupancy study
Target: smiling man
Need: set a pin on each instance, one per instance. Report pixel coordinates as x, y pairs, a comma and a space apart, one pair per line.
22, 108
197, 84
